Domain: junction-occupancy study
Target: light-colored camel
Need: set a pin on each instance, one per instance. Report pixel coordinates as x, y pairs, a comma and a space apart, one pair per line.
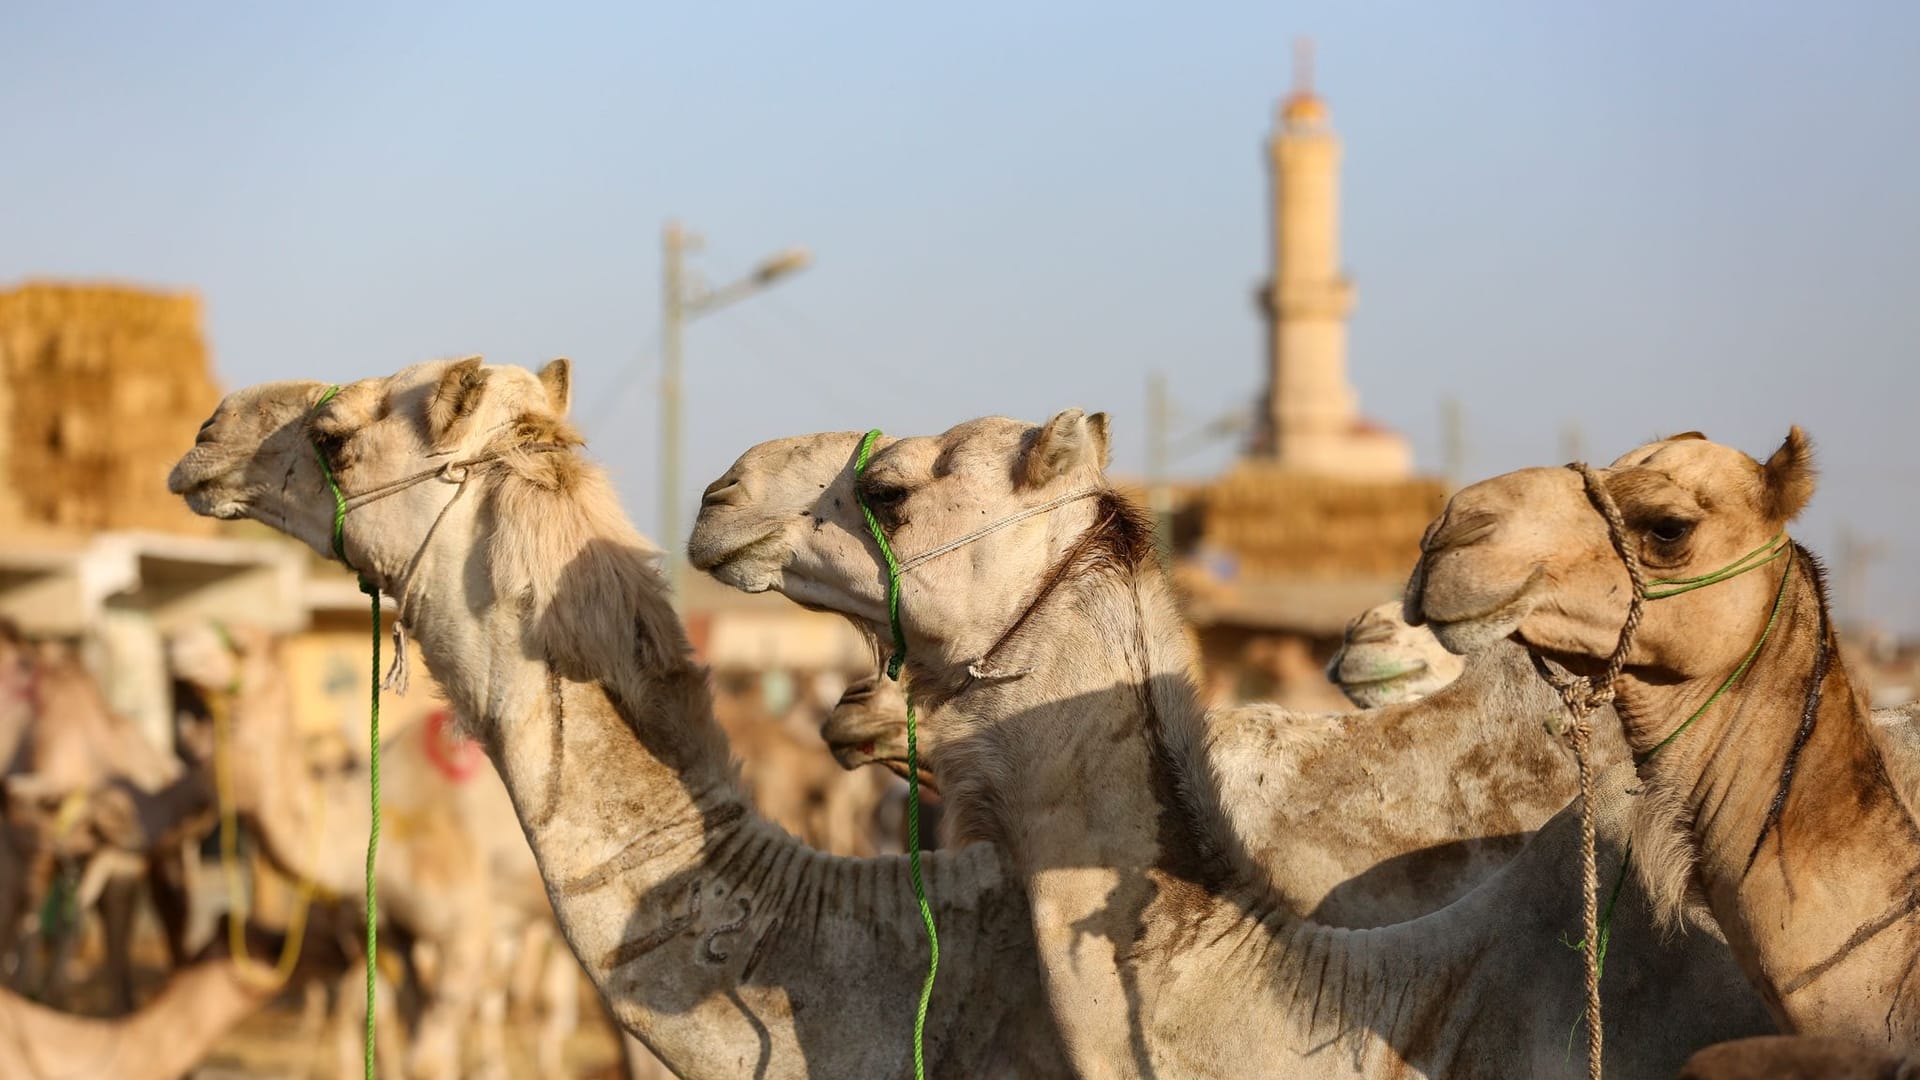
729, 947
1769, 789
1059, 695
1384, 661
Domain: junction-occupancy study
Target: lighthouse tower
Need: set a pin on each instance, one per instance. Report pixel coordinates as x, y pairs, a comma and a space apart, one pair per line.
1312, 422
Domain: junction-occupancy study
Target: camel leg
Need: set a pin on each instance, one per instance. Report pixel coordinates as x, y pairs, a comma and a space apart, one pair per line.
172, 900
450, 997
560, 1012
118, 906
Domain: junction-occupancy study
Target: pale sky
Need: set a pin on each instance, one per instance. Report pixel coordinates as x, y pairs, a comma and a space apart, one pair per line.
1636, 217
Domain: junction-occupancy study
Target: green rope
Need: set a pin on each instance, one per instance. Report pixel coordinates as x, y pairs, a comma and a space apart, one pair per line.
894, 663
1772, 549
373, 735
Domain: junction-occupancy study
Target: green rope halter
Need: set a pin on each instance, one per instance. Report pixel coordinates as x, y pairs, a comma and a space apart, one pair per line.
894, 663
373, 730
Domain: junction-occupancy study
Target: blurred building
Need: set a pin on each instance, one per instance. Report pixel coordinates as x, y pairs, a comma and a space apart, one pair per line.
1322, 517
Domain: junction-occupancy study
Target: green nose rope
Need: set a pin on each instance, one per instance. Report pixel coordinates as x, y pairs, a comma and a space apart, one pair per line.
373, 731
894, 663
1661, 589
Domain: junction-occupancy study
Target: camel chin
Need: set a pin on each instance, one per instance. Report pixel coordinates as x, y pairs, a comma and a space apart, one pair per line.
1372, 686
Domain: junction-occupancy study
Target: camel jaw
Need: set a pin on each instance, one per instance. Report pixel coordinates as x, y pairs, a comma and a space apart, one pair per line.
752, 567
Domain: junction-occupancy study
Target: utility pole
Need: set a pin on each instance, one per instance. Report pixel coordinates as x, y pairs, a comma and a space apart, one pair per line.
673, 246
1855, 554
1453, 441
684, 297
1159, 419
1573, 442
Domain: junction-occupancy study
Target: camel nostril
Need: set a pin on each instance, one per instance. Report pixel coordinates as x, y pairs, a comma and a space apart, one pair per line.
725, 491
1369, 631
1455, 531
205, 433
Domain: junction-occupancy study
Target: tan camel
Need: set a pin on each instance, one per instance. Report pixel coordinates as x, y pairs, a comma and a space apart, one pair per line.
730, 948
1769, 788
1060, 699
1384, 661
162, 1040
454, 869
1798, 1057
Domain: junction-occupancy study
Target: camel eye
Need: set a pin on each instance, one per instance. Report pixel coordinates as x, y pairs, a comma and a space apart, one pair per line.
1670, 530
885, 501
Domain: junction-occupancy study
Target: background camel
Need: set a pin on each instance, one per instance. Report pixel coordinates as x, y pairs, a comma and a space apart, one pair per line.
1769, 788
1798, 1057
1384, 661
1057, 683
91, 802
728, 946
455, 872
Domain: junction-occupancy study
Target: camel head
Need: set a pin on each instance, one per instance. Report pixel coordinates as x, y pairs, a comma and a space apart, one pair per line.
787, 517
1384, 661
868, 726
398, 447
1528, 555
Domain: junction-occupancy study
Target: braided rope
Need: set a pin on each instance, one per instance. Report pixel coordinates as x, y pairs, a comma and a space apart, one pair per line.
1583, 696
894, 664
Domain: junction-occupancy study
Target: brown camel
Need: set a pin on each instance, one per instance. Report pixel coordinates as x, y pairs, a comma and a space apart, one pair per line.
1769, 791
1060, 703
728, 946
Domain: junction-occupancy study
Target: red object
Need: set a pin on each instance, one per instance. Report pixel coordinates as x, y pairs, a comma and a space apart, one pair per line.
456, 756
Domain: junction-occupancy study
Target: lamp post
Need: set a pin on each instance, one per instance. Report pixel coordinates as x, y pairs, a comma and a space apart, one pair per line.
685, 297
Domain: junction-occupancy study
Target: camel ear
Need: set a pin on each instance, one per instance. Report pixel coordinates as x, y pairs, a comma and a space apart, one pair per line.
557, 377
1788, 477
455, 399
1685, 436
1065, 442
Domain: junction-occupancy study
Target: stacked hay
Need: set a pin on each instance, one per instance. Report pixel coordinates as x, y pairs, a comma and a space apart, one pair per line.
1277, 523
104, 388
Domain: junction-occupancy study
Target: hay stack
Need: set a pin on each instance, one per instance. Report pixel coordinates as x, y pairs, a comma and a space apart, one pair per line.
104, 387
1283, 524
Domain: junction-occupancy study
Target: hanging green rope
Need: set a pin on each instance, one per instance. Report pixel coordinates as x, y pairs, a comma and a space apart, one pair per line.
894, 664
373, 737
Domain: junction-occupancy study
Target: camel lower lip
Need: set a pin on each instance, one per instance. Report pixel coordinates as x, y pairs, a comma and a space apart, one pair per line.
1387, 678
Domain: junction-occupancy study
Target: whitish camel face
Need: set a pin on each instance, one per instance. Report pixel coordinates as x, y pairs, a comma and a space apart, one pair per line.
1527, 554
256, 456
868, 726
1384, 661
786, 518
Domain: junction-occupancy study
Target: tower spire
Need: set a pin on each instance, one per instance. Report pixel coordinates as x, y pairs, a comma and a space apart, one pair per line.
1303, 66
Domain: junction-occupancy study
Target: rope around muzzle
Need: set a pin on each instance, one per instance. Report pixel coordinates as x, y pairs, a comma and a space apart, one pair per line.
1583, 696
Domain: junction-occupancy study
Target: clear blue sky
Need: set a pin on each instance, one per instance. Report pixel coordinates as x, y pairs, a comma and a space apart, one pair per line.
1638, 217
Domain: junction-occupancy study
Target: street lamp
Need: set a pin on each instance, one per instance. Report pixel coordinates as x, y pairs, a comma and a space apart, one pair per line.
684, 297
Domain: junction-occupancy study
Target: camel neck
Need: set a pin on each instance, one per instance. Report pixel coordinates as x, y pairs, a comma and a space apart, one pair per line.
713, 935
1809, 857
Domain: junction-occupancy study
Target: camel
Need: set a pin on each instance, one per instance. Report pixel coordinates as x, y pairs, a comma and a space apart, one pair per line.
723, 943
454, 871
1798, 1057
1770, 792
1384, 661
84, 789
1059, 698
162, 1040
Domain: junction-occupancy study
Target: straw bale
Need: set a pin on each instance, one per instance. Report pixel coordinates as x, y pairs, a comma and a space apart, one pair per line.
104, 386
1279, 523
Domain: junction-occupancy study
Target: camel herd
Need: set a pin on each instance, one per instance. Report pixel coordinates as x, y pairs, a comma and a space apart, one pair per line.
1130, 884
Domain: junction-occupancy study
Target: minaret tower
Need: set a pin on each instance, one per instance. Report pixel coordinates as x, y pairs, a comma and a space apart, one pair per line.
1312, 418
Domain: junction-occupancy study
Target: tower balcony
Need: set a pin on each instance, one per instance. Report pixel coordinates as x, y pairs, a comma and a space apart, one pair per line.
1327, 299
